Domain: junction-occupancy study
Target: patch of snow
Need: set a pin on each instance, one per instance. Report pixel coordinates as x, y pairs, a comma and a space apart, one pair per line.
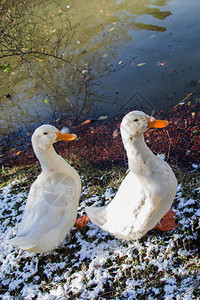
92, 264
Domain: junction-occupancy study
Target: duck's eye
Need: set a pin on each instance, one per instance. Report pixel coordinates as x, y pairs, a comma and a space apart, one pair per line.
45, 133
135, 120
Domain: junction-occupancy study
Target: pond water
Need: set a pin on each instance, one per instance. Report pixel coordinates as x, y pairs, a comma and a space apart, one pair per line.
141, 53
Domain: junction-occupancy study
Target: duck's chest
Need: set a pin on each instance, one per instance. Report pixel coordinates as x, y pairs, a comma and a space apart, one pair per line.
154, 177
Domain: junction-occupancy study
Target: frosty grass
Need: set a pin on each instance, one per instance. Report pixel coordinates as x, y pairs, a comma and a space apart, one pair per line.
91, 264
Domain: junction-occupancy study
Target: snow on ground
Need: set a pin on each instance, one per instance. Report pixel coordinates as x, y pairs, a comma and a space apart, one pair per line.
91, 264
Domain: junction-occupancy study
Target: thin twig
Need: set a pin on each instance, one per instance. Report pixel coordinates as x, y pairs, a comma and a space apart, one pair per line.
186, 98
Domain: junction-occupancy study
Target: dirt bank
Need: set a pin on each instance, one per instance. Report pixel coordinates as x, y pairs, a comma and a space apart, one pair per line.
99, 141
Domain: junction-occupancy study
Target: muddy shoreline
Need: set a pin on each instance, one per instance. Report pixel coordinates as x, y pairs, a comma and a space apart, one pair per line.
99, 141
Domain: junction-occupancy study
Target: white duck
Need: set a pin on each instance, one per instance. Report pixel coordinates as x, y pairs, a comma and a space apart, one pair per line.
147, 192
52, 203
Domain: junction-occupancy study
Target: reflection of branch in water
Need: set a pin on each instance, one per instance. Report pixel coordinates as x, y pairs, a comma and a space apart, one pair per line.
156, 13
149, 27
35, 38
51, 83
158, 2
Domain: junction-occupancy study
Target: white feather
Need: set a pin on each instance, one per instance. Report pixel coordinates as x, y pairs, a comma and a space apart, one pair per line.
146, 193
52, 203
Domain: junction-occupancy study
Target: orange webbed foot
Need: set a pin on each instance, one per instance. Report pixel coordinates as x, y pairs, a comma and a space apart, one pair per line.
81, 222
167, 222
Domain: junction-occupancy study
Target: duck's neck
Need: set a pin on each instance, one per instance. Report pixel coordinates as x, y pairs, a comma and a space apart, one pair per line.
49, 159
138, 153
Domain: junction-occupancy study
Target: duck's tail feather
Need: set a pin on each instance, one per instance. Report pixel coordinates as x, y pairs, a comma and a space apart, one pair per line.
97, 215
22, 243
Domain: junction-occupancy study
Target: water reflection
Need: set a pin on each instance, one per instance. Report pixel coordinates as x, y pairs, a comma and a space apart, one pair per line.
115, 55
149, 27
46, 88
56, 93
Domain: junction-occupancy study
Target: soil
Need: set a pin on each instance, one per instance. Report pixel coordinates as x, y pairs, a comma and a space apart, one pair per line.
99, 141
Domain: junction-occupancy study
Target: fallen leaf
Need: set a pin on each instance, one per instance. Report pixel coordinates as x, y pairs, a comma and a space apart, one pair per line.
161, 64
167, 222
111, 29
86, 122
81, 222
116, 132
141, 64
102, 118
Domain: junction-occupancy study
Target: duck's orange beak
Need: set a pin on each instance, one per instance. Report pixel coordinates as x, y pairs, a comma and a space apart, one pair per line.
153, 123
65, 136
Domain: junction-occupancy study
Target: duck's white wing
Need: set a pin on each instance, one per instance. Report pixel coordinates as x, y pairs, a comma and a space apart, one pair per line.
51, 209
136, 208
116, 216
32, 225
136, 223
